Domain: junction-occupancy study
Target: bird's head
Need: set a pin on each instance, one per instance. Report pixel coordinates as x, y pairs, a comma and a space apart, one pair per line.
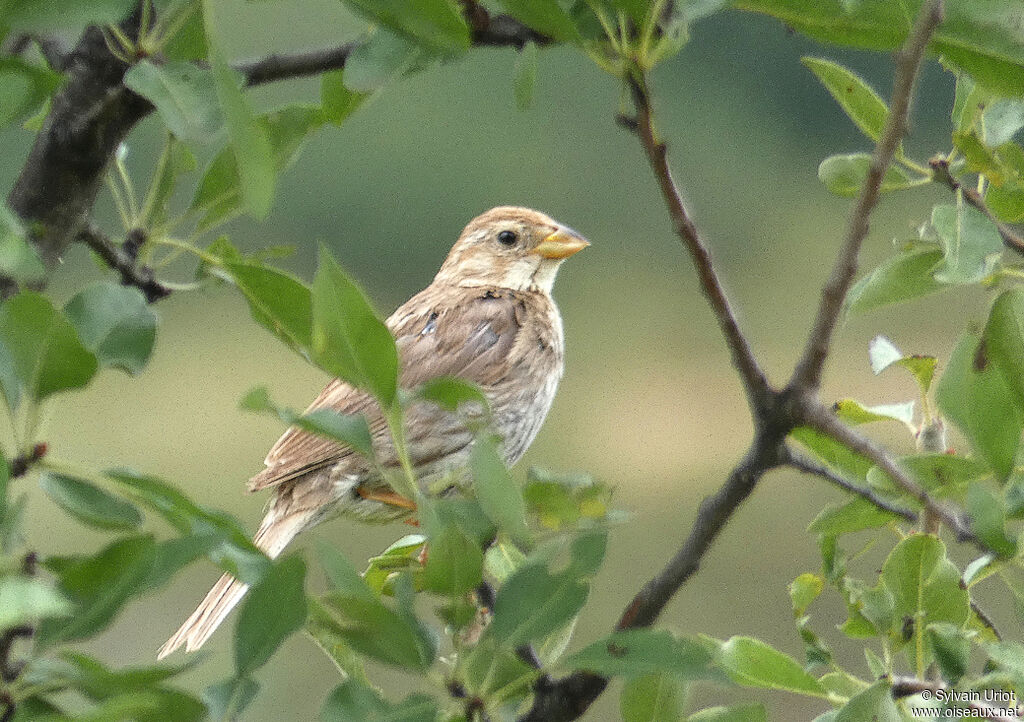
510, 247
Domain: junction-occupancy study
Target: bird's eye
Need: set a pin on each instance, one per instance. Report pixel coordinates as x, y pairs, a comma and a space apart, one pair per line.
507, 237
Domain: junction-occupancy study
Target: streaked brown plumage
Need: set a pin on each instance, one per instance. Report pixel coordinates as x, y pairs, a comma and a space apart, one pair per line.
487, 317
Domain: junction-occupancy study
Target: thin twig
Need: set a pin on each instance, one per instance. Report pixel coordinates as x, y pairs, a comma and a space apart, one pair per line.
940, 166
809, 466
908, 66
285, 66
823, 420
754, 380
986, 620
121, 261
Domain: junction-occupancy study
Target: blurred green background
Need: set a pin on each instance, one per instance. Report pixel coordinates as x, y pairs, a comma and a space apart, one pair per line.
649, 402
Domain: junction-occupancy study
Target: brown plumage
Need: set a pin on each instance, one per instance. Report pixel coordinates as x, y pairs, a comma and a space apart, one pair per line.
487, 317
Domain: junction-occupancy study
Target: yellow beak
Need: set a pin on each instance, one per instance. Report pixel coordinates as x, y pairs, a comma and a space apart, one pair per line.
561, 244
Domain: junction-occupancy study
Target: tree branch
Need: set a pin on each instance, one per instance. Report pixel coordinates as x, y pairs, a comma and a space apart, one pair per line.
141, 277
93, 113
908, 66
809, 466
941, 169
820, 418
754, 381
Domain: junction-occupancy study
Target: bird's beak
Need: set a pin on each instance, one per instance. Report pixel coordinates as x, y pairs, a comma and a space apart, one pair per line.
561, 244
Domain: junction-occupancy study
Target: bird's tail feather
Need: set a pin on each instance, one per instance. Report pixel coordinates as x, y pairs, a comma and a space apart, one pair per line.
274, 534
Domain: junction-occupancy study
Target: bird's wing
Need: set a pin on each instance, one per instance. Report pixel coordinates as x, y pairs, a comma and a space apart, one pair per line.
469, 337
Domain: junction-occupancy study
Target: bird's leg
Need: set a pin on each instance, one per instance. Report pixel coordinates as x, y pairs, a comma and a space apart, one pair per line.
386, 497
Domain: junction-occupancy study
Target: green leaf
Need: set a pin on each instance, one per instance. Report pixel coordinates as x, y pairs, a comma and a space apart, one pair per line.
526, 75
354, 614
220, 194
18, 259
844, 175
436, 24
734, 713
856, 515
115, 323
271, 611
640, 652
652, 698
96, 681
832, 453
23, 87
981, 38
951, 648
1007, 202
499, 496
547, 18
354, 700
99, 586
250, 147
906, 276
854, 413
450, 393
502, 559
348, 339
235, 552
1004, 118
40, 352
803, 590
336, 100
1004, 341
988, 520
875, 703
32, 15
348, 429
971, 244
865, 108
454, 564
883, 353
88, 503
534, 603
973, 394
25, 600
383, 57
400, 556
184, 94
752, 663
228, 699
940, 474
278, 301
925, 586
175, 160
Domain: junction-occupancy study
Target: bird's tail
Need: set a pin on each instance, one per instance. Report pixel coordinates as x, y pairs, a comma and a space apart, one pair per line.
274, 534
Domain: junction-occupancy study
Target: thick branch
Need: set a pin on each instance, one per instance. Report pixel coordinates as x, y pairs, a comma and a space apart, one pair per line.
809, 466
93, 114
118, 259
754, 381
908, 66
941, 168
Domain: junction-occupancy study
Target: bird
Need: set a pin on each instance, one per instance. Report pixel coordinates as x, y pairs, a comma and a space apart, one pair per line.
488, 317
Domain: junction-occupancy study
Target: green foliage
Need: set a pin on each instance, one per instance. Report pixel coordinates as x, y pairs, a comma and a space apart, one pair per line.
504, 565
